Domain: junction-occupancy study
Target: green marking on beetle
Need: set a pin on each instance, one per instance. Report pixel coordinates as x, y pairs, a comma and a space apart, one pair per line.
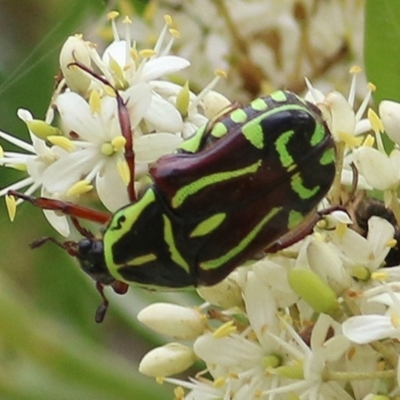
281, 147
254, 133
318, 135
208, 225
328, 157
294, 219
219, 130
279, 96
169, 239
192, 144
218, 262
192, 188
253, 130
238, 116
121, 224
259, 104
303, 192
138, 261
124, 219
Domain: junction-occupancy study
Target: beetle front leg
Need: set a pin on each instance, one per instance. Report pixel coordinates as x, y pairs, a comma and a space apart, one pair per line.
67, 208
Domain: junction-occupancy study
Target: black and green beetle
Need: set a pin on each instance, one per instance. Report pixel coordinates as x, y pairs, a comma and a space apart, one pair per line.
230, 191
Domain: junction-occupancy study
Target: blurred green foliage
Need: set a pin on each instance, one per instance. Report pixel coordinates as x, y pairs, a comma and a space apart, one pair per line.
381, 47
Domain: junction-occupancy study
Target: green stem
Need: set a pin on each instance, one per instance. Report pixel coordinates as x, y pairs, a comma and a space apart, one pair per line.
357, 376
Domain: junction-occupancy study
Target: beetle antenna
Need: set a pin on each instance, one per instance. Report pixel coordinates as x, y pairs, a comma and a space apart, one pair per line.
124, 122
70, 246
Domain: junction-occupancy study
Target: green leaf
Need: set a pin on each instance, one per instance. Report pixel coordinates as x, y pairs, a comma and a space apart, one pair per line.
382, 52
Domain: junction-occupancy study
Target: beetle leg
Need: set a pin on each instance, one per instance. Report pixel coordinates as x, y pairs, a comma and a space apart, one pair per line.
304, 229
102, 309
73, 210
125, 125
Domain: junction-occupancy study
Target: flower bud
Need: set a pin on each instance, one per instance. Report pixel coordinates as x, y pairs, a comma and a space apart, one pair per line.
75, 49
167, 360
313, 290
225, 294
176, 321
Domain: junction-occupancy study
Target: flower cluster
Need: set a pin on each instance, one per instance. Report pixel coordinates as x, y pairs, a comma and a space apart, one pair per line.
295, 324
267, 44
101, 115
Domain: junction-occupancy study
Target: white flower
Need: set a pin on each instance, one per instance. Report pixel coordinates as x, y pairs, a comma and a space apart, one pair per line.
35, 162
381, 172
364, 329
389, 111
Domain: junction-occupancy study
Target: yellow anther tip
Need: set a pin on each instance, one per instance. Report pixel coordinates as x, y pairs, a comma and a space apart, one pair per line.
81, 187
112, 15
127, 20
11, 205
221, 73
355, 69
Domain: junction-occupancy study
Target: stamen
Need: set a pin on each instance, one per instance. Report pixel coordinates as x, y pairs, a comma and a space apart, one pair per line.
11, 205
224, 330
128, 40
111, 16
355, 70
42, 129
107, 149
81, 187
63, 142
95, 102
118, 143
147, 53
182, 100
219, 73
124, 172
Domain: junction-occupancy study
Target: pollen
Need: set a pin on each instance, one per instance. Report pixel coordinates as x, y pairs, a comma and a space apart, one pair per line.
376, 122
168, 20
224, 330
221, 73
175, 33
42, 129
391, 243
107, 149
11, 205
395, 320
118, 143
127, 20
147, 53
355, 69
123, 171
81, 187
379, 276
371, 86
63, 142
182, 100
94, 102
112, 15
369, 141
179, 393
219, 382
341, 229
350, 140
